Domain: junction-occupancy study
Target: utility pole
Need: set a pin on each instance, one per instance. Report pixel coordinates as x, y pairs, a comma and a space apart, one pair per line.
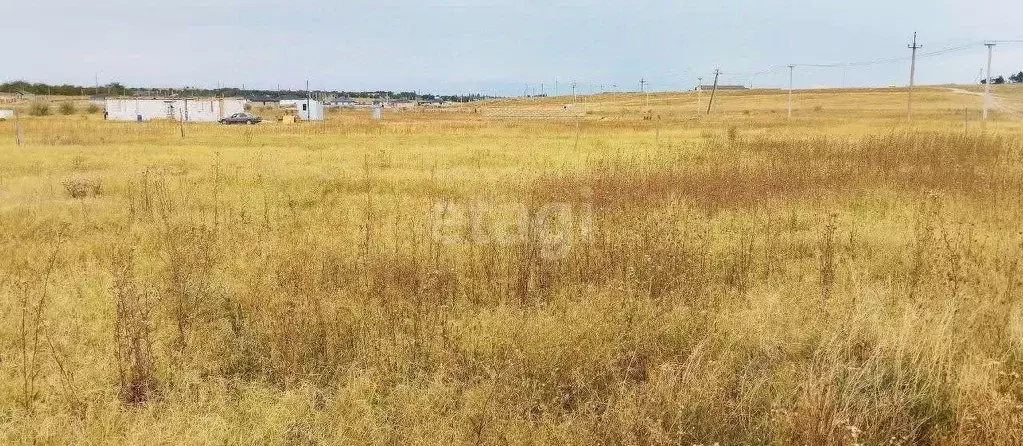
699, 93
912, 73
308, 100
987, 84
642, 88
791, 69
713, 90
573, 92
17, 128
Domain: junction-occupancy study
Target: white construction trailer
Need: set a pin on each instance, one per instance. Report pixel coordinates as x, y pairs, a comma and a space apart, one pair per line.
308, 109
190, 110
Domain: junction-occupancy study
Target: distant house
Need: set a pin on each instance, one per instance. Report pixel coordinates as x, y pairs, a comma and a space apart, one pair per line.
308, 109
722, 87
403, 103
341, 102
190, 110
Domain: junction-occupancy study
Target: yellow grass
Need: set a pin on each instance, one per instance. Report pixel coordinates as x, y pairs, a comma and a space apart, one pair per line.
616, 273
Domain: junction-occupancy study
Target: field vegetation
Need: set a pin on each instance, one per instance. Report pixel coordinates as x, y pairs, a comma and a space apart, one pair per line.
842, 277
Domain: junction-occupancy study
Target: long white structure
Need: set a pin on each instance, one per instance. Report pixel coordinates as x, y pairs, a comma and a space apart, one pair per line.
6, 114
191, 110
308, 109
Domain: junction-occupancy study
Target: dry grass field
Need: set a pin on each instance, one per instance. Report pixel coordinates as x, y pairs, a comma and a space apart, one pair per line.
510, 272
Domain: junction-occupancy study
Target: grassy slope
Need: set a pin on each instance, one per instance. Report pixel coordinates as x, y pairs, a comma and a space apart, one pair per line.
840, 277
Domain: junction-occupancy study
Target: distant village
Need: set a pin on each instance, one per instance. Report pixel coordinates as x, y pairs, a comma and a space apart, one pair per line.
120, 103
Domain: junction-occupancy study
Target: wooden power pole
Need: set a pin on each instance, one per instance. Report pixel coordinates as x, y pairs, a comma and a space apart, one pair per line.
17, 128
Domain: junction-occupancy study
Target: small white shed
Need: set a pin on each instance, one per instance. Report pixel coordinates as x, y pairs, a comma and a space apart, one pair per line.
191, 110
308, 109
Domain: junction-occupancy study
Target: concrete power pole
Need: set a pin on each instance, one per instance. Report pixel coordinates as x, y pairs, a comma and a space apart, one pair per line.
987, 83
912, 73
713, 90
791, 68
699, 93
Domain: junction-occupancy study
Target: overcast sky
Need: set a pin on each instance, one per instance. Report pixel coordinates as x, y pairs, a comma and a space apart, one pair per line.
497, 47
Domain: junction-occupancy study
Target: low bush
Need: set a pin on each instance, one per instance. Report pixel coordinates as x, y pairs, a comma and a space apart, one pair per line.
39, 109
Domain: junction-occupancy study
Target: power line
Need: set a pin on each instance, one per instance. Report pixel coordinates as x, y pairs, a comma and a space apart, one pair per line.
845, 65
893, 59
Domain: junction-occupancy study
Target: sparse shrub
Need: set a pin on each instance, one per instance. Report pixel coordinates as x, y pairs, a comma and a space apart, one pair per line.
92, 108
132, 335
66, 108
39, 108
83, 187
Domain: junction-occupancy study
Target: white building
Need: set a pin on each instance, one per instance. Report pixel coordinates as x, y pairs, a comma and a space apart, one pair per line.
403, 104
342, 102
308, 109
191, 110
6, 114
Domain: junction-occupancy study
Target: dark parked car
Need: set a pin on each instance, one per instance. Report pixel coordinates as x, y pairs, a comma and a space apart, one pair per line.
241, 118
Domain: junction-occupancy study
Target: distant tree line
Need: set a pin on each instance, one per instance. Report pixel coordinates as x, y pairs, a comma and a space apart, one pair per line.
113, 88
116, 89
1015, 79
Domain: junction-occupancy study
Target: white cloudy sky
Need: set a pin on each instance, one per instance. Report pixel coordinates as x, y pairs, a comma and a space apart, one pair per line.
495, 47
